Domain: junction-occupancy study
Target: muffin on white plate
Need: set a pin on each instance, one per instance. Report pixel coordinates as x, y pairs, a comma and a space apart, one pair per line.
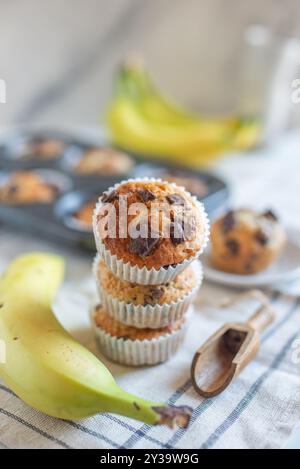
245, 241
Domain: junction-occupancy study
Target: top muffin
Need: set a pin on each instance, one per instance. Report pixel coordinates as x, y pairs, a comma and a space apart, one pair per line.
151, 224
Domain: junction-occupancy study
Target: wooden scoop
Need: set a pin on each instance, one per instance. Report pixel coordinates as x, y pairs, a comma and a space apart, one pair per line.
227, 352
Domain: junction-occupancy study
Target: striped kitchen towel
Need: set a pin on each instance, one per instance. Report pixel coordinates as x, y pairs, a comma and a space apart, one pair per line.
259, 409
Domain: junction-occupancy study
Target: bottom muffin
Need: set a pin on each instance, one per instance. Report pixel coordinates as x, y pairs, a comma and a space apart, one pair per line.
130, 346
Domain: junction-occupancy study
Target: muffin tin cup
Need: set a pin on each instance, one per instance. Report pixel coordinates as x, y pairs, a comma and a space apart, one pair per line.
139, 352
133, 273
148, 316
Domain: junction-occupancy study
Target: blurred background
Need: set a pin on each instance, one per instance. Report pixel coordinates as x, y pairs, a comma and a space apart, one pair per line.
232, 68
58, 58
217, 78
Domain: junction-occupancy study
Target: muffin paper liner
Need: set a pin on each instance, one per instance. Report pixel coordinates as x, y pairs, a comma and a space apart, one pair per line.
139, 352
144, 276
148, 316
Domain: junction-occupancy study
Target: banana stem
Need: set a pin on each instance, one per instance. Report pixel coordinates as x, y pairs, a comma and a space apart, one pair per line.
153, 413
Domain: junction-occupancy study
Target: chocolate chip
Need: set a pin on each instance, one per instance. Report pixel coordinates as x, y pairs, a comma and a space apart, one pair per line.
270, 215
109, 197
13, 189
153, 296
175, 199
143, 246
233, 246
124, 337
145, 195
176, 233
261, 237
228, 221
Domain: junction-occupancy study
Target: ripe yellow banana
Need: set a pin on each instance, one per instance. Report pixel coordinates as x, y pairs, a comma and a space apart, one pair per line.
134, 82
45, 366
193, 143
141, 120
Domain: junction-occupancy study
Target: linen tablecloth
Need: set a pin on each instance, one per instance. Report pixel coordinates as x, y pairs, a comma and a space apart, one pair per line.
259, 410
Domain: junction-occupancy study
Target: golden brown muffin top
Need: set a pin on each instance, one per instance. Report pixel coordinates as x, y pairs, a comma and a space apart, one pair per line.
157, 224
147, 294
123, 331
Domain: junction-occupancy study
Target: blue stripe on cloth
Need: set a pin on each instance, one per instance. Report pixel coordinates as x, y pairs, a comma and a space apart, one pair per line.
180, 432
69, 422
200, 409
3, 446
247, 399
142, 432
131, 428
34, 428
270, 331
97, 435
86, 430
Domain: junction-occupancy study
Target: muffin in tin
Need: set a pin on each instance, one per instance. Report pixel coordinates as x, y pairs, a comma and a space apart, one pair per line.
127, 345
84, 215
192, 183
245, 241
103, 162
42, 148
27, 187
157, 225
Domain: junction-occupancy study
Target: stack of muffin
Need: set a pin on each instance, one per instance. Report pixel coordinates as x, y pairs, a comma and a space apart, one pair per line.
149, 235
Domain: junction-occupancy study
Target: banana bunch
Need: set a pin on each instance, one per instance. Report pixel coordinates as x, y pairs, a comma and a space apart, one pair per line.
141, 120
45, 366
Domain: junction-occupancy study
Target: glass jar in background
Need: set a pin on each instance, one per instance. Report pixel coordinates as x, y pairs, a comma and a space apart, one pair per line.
268, 66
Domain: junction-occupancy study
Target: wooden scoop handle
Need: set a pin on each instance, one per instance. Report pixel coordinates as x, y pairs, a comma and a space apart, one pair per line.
262, 317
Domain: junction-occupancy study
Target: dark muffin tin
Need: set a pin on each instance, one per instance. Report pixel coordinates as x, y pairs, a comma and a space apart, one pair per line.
55, 221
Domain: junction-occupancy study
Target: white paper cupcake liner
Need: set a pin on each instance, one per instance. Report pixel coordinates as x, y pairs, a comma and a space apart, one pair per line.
148, 316
144, 276
139, 352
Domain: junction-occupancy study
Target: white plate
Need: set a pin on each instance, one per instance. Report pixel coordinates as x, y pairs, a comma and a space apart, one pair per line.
285, 269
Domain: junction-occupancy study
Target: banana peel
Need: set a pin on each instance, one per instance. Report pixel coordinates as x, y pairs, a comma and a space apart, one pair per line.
46, 367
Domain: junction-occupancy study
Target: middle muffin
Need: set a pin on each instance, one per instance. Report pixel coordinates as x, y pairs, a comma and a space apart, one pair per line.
147, 306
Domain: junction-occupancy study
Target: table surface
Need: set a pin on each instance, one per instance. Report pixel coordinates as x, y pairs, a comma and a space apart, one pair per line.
58, 69
275, 166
